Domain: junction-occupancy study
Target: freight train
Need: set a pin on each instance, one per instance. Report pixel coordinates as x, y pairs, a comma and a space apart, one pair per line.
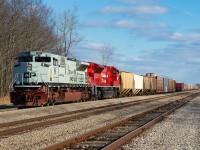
42, 78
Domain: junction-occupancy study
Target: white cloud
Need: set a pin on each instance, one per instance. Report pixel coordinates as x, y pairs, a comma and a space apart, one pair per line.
138, 1
92, 45
139, 10
185, 37
150, 10
124, 24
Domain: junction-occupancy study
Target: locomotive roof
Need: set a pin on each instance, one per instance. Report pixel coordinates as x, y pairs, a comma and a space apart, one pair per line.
36, 53
46, 54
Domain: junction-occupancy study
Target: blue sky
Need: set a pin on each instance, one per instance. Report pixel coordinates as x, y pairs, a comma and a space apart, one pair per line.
161, 36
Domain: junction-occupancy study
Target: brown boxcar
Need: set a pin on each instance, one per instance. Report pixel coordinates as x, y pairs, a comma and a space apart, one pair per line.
179, 87
153, 85
170, 85
174, 85
159, 82
147, 85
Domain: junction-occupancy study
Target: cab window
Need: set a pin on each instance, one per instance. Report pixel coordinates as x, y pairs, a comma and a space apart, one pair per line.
42, 59
55, 62
25, 59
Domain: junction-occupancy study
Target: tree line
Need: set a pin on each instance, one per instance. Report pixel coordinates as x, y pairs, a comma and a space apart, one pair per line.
29, 25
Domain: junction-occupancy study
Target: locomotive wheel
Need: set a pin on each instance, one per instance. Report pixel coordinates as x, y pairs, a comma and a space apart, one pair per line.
52, 103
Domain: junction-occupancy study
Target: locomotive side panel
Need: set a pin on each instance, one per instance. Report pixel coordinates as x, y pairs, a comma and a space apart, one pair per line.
114, 77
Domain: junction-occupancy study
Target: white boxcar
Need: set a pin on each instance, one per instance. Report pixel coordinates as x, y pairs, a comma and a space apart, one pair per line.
138, 84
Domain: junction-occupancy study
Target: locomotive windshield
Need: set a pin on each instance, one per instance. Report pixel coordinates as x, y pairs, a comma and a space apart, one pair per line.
42, 59
26, 59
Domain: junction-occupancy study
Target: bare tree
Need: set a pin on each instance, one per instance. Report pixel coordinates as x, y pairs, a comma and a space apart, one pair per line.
67, 31
106, 52
25, 25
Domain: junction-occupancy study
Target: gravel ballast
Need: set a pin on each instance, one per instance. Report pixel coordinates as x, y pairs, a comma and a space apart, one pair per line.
22, 114
46, 136
180, 131
41, 138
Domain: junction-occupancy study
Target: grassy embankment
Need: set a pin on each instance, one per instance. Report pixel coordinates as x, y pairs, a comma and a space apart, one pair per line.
5, 100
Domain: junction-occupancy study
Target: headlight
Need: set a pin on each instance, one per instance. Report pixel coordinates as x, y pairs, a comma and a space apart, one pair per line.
18, 83
26, 75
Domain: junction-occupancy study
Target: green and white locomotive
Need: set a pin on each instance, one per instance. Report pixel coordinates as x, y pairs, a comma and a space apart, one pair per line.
41, 78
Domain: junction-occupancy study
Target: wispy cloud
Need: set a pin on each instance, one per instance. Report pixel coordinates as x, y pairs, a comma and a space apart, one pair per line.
144, 2
139, 10
163, 33
185, 37
92, 45
124, 24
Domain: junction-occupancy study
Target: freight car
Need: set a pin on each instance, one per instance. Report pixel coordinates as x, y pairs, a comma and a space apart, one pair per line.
131, 84
149, 85
179, 87
159, 82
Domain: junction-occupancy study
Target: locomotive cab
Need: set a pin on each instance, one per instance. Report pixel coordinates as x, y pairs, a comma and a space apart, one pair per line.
35, 68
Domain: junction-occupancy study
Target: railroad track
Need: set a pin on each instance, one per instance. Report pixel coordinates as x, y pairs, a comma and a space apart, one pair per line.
27, 125
114, 135
7, 108
12, 107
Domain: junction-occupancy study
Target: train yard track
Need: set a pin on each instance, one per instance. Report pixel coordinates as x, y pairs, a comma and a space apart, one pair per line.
8, 108
16, 127
15, 107
116, 134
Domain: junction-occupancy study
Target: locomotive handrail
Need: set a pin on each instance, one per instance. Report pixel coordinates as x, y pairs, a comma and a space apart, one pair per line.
46, 85
13, 81
11, 84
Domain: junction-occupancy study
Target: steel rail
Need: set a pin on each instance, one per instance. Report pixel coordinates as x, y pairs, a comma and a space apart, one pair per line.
89, 109
28, 125
159, 112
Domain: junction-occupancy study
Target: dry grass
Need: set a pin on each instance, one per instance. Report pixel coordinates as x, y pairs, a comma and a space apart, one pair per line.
5, 100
